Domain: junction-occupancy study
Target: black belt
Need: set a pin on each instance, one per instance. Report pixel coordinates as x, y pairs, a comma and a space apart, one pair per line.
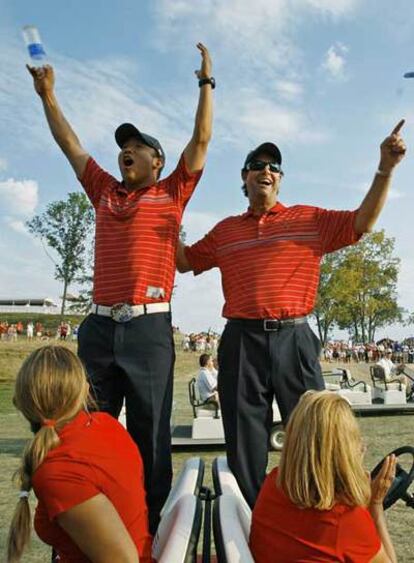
269, 324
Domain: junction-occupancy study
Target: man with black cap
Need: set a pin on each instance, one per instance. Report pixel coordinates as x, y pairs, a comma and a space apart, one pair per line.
126, 342
269, 261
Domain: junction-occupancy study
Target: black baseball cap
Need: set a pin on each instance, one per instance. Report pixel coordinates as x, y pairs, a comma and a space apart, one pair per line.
268, 148
127, 130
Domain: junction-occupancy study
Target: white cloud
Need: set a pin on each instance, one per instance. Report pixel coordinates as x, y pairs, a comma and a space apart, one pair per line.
18, 197
96, 96
254, 116
335, 8
196, 224
230, 26
405, 282
393, 193
17, 225
254, 35
289, 90
198, 302
334, 61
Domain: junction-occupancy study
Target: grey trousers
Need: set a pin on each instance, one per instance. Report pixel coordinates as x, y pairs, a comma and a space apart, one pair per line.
254, 366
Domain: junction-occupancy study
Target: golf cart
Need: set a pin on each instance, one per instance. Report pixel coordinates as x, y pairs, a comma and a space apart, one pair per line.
207, 425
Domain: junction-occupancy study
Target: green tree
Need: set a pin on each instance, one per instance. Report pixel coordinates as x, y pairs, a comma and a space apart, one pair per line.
66, 227
358, 290
326, 307
369, 296
83, 303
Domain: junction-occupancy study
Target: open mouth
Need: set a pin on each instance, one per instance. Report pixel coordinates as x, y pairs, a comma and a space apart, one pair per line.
265, 182
127, 160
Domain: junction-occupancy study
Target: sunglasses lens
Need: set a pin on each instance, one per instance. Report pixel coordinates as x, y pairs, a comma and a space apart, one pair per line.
257, 165
261, 165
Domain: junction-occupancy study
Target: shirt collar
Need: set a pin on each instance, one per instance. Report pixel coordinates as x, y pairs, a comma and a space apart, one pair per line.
82, 419
123, 190
275, 209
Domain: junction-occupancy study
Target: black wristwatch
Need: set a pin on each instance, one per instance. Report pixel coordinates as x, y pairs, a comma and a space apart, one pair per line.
210, 81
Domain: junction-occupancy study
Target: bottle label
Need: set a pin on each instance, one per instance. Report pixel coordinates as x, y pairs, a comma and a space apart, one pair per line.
36, 51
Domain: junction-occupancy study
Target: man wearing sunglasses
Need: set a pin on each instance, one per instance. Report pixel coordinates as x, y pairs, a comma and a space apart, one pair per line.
269, 259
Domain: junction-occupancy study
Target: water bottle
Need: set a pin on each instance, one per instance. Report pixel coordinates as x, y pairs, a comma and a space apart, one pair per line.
34, 45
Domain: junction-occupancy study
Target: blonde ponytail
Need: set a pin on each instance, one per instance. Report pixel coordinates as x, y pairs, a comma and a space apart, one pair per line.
50, 390
21, 525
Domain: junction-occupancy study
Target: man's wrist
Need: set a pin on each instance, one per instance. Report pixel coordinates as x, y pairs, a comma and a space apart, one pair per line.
384, 169
383, 172
207, 80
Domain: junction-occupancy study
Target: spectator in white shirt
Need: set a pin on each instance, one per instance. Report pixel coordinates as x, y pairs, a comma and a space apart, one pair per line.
207, 379
392, 371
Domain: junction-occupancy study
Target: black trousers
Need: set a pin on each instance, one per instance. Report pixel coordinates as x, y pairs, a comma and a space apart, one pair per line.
255, 366
135, 360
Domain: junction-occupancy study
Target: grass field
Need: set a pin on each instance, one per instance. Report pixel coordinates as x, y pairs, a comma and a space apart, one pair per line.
381, 435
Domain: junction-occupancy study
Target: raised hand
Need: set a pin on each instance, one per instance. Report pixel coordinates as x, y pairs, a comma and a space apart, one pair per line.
206, 64
43, 79
383, 481
393, 149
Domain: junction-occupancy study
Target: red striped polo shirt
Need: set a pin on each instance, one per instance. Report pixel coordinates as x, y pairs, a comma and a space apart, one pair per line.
136, 234
270, 263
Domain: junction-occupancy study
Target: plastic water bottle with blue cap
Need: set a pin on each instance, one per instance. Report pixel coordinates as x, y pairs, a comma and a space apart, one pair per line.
34, 45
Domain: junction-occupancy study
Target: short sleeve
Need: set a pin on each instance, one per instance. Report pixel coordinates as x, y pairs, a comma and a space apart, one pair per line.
358, 539
94, 181
336, 229
61, 485
181, 183
202, 255
209, 380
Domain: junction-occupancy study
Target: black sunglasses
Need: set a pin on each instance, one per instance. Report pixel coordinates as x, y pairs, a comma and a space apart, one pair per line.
261, 165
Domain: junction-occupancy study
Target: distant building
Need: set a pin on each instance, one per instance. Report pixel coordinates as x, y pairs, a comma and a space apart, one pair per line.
29, 305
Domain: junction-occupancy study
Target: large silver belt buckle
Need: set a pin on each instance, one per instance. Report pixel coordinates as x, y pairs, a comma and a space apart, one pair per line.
122, 312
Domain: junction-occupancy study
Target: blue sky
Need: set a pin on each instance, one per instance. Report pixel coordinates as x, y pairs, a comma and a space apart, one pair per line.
321, 78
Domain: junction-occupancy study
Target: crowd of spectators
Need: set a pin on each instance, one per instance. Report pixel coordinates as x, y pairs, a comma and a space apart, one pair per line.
35, 330
335, 351
347, 352
200, 342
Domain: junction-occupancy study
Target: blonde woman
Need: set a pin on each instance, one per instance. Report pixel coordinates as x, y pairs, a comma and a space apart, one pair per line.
84, 468
319, 504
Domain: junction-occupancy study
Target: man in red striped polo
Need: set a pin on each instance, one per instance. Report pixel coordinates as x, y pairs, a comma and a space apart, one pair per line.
269, 259
127, 342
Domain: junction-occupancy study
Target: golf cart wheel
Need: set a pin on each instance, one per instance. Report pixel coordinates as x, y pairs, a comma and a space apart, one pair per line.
277, 437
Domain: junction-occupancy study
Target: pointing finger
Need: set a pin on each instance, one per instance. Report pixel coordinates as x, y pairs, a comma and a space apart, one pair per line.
398, 127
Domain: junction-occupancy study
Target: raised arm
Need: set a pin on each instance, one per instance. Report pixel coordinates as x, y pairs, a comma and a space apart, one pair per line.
196, 150
393, 150
44, 82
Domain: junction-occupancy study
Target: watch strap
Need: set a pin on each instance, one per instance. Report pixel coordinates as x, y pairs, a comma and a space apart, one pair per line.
210, 81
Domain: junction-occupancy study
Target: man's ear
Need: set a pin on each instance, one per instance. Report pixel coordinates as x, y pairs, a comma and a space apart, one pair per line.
158, 163
244, 174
